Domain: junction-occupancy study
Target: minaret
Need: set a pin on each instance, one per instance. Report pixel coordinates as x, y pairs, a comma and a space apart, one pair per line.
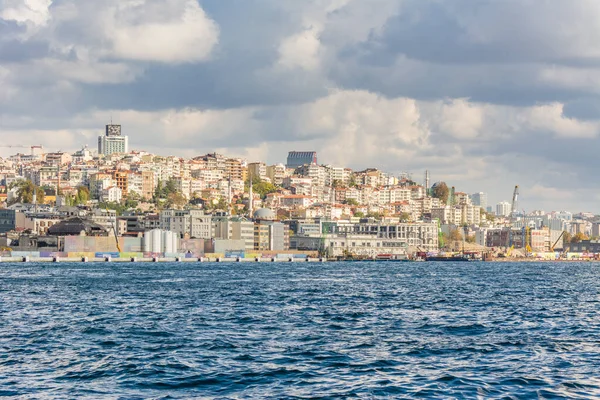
427, 183
251, 198
58, 180
229, 199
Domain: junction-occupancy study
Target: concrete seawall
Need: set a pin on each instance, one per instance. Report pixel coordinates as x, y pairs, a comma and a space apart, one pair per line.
4, 260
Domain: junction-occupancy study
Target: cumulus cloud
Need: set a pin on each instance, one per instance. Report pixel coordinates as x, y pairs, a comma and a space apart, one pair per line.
186, 35
300, 50
28, 12
166, 31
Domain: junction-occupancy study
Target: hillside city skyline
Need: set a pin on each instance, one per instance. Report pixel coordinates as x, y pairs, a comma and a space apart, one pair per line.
525, 206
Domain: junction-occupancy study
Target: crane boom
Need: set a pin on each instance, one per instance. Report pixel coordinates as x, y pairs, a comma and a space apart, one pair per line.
515, 199
557, 240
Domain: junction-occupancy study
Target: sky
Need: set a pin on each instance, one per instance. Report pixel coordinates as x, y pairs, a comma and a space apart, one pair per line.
484, 94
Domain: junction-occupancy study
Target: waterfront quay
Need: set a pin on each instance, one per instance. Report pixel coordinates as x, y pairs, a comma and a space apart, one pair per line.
27, 259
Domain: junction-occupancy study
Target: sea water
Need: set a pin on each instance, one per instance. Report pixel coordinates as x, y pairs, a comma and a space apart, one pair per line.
300, 330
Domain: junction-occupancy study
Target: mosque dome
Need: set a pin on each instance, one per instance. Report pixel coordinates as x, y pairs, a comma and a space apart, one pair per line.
264, 213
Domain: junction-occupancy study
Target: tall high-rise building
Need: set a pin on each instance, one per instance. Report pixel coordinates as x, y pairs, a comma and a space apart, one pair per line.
297, 159
503, 209
112, 141
479, 199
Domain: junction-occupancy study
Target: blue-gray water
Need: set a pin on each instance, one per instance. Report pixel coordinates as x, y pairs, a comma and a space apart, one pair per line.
300, 330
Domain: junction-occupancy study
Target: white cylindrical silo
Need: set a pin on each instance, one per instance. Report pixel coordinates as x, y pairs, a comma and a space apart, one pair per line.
147, 243
156, 241
175, 238
167, 242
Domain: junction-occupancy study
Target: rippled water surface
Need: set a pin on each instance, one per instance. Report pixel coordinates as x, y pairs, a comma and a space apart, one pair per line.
271, 330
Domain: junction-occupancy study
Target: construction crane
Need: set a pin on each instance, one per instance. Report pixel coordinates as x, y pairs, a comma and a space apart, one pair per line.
114, 229
22, 146
515, 200
19, 146
557, 240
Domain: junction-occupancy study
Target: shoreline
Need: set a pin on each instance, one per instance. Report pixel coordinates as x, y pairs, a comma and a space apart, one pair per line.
108, 260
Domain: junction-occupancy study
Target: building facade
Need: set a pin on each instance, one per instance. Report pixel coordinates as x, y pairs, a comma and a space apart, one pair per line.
112, 141
8, 220
297, 159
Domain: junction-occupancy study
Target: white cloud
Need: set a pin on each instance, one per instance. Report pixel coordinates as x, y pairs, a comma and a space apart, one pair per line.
28, 12
459, 118
301, 50
165, 31
550, 118
187, 36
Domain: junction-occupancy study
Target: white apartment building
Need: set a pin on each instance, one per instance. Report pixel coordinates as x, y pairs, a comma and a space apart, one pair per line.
276, 173
316, 173
111, 194
479, 199
194, 223
448, 215
503, 209
258, 169
339, 174
108, 145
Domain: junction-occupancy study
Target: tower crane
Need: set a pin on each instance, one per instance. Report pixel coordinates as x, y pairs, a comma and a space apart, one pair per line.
22, 146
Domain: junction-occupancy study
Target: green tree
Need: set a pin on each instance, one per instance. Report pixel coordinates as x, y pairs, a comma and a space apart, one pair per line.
40, 195
134, 196
351, 202
484, 215
82, 196
221, 204
130, 203
264, 188
578, 237
442, 239
176, 200
119, 208
376, 215
157, 191
470, 239
170, 187
455, 234
359, 214
405, 217
25, 191
441, 191
352, 182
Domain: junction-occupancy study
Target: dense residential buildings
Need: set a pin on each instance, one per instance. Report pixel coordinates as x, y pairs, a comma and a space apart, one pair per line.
207, 204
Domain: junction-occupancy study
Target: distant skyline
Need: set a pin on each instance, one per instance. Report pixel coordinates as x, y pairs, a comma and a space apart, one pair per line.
485, 95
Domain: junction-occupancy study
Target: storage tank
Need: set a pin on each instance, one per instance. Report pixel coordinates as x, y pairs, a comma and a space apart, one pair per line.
156, 241
168, 242
147, 244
